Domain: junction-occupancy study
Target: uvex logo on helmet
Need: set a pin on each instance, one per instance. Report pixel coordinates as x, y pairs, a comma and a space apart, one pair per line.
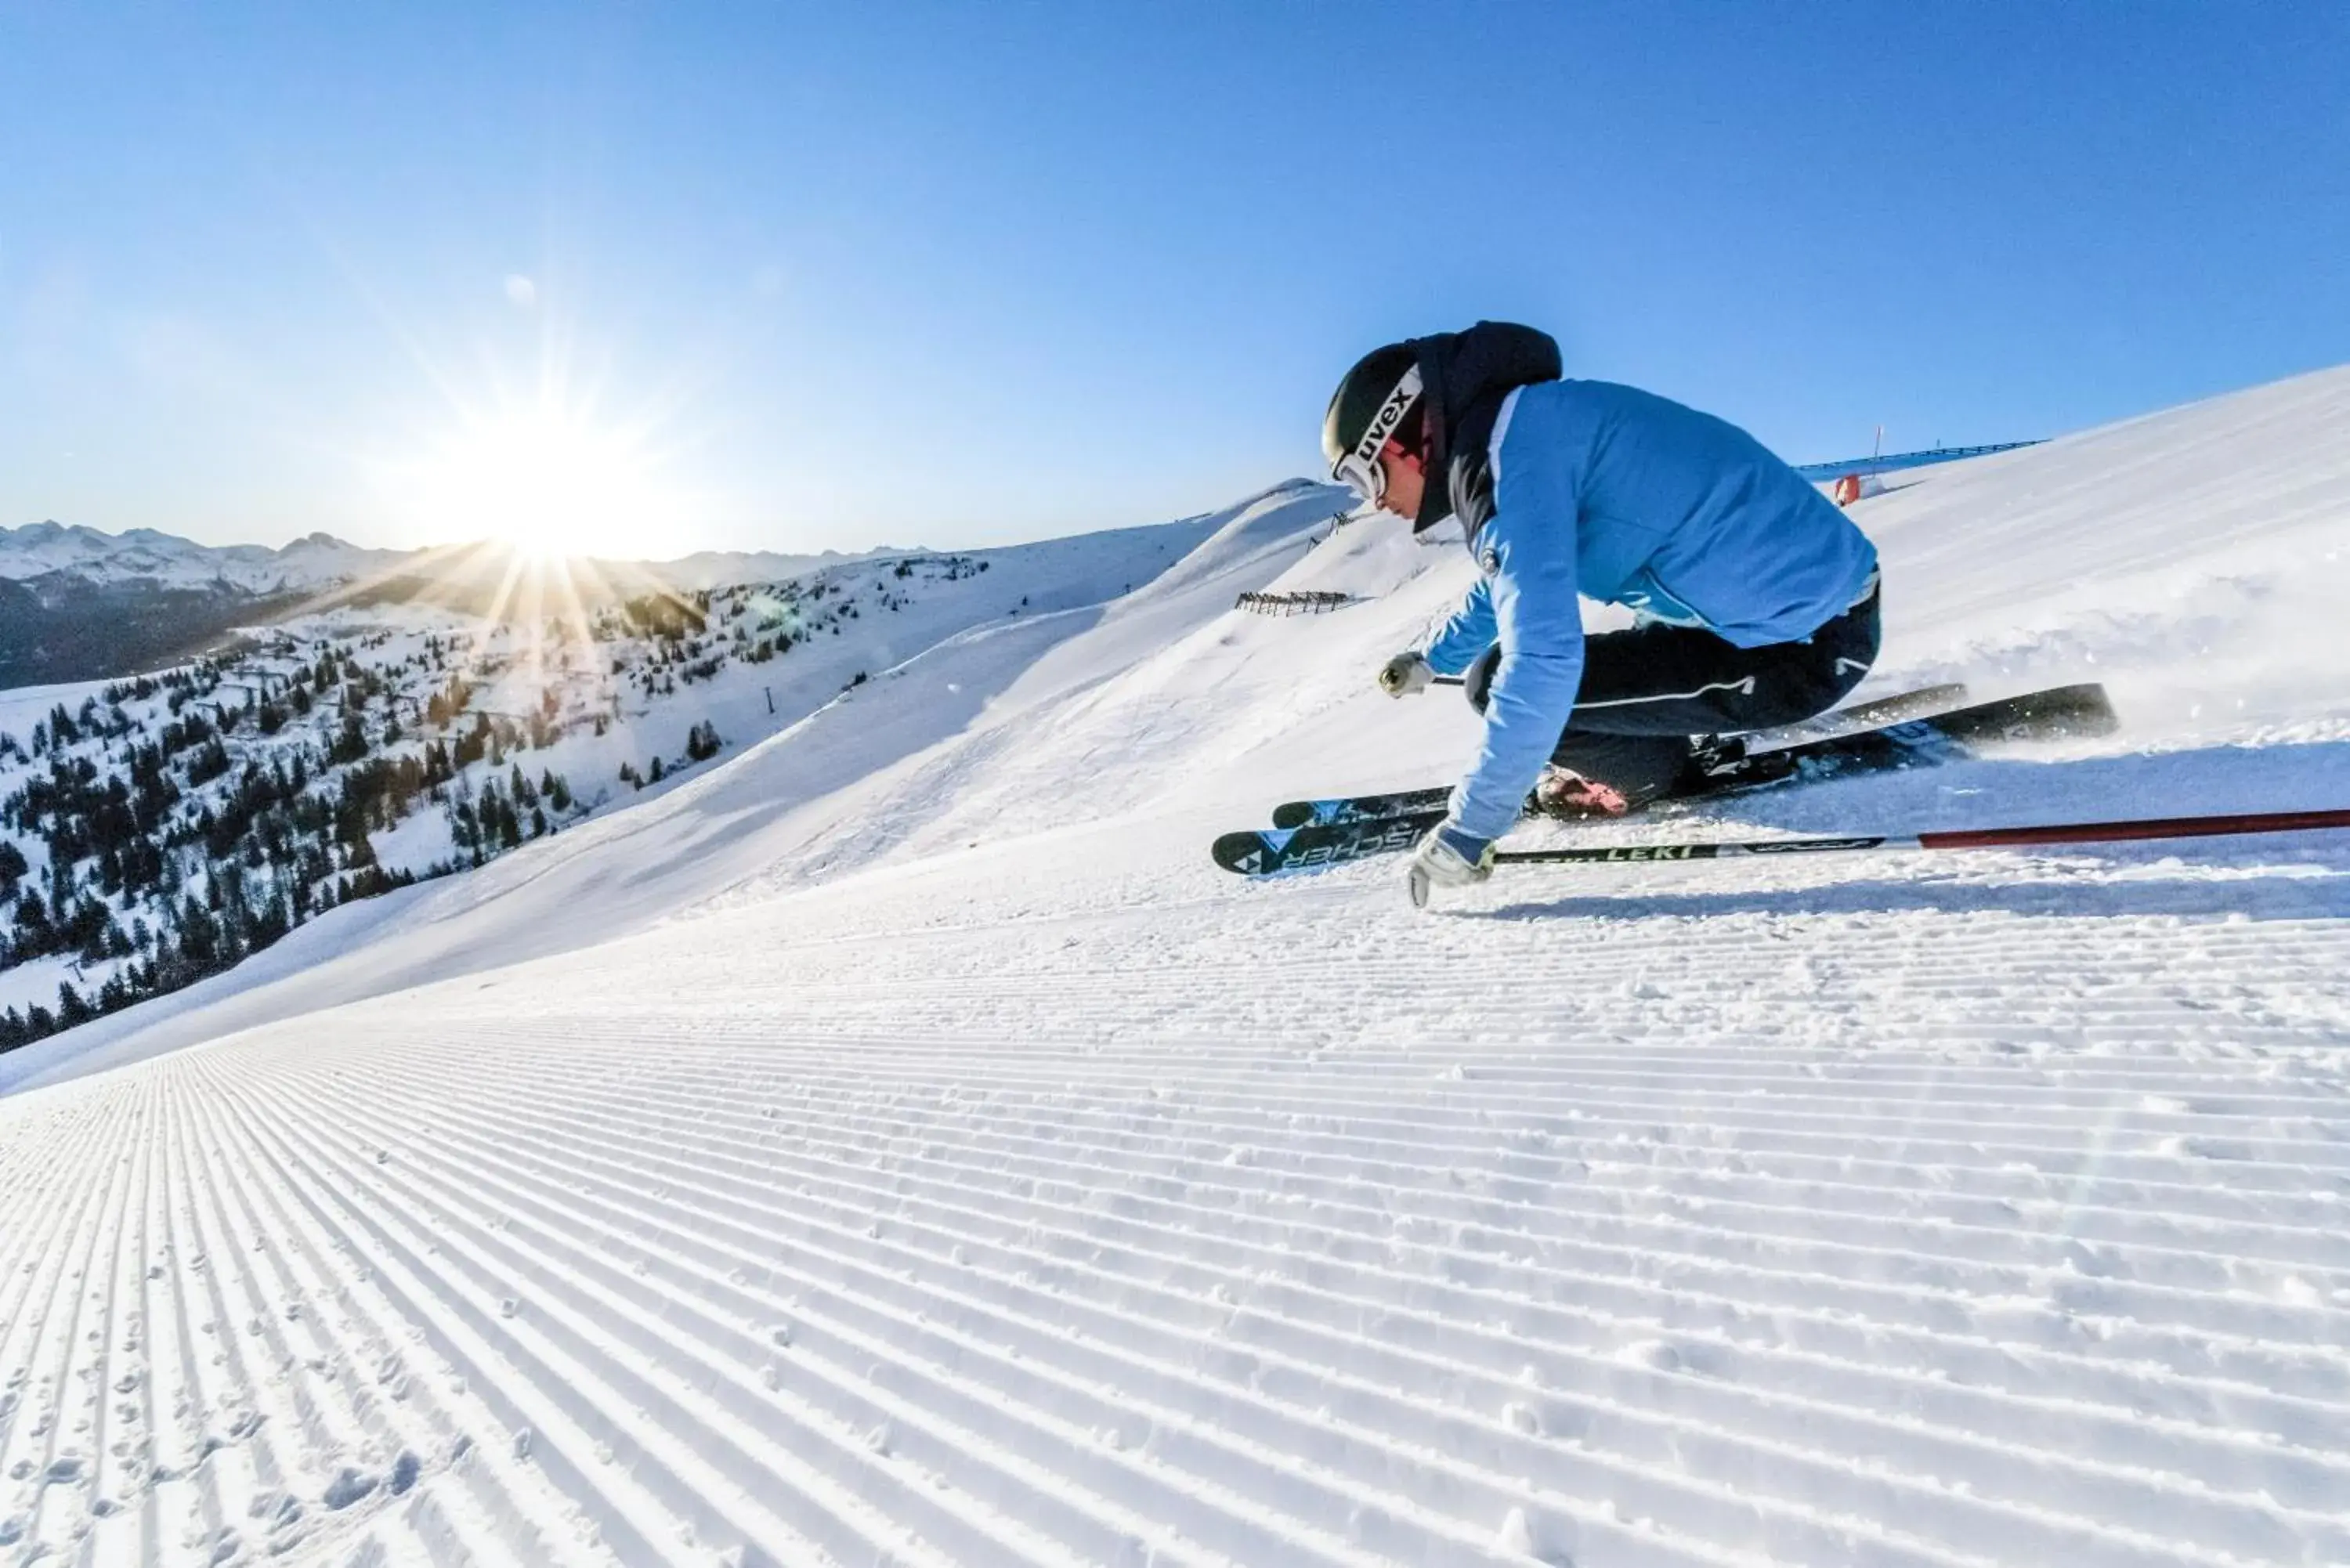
1359, 467
1390, 414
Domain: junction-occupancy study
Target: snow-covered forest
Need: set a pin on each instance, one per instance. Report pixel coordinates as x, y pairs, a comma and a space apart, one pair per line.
163, 828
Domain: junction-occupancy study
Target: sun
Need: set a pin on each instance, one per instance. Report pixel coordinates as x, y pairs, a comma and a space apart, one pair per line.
548, 480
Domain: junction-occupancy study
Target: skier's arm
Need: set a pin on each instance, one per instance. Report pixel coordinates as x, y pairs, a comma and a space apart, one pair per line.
1538, 618
1465, 635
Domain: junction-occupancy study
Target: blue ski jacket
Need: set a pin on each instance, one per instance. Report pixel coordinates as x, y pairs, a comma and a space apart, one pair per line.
1589, 489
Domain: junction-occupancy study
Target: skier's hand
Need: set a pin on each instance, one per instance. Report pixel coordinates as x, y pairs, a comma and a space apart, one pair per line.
1404, 674
1447, 857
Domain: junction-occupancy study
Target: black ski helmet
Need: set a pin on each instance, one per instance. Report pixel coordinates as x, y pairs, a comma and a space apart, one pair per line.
1363, 394
1460, 379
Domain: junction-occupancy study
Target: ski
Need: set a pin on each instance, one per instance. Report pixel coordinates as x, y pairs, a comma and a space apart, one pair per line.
1923, 703
2039, 715
1268, 854
1358, 808
2053, 714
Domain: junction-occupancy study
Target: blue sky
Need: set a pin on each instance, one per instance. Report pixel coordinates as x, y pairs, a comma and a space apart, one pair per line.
953, 275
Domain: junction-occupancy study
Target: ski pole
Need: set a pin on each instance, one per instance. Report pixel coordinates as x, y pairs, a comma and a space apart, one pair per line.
1969, 839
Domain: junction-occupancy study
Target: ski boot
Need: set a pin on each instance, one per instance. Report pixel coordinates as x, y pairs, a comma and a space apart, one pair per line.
1722, 762
1715, 757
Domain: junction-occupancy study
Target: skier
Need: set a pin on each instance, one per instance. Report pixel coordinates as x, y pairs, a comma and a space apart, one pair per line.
1757, 598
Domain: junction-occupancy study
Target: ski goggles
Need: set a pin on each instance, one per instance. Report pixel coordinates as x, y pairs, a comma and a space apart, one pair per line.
1359, 467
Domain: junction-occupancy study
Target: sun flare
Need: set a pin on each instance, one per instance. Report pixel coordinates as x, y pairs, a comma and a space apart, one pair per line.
548, 483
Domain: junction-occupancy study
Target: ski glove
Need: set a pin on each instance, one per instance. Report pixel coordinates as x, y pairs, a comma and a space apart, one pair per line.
1447, 857
1404, 674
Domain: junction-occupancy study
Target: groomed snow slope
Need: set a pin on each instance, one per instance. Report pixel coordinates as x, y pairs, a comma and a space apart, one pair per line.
964, 1171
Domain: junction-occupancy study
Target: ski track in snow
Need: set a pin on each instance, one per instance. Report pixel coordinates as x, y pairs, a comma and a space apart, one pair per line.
948, 1165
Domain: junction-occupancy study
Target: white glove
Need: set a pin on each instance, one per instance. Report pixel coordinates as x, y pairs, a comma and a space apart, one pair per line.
1404, 674
1447, 857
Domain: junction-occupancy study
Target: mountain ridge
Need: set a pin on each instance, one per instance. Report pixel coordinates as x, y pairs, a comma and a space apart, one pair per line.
78, 603
312, 560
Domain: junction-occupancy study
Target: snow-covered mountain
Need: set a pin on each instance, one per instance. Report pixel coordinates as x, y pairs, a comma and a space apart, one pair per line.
79, 603
142, 554
319, 561
158, 829
897, 1142
721, 568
